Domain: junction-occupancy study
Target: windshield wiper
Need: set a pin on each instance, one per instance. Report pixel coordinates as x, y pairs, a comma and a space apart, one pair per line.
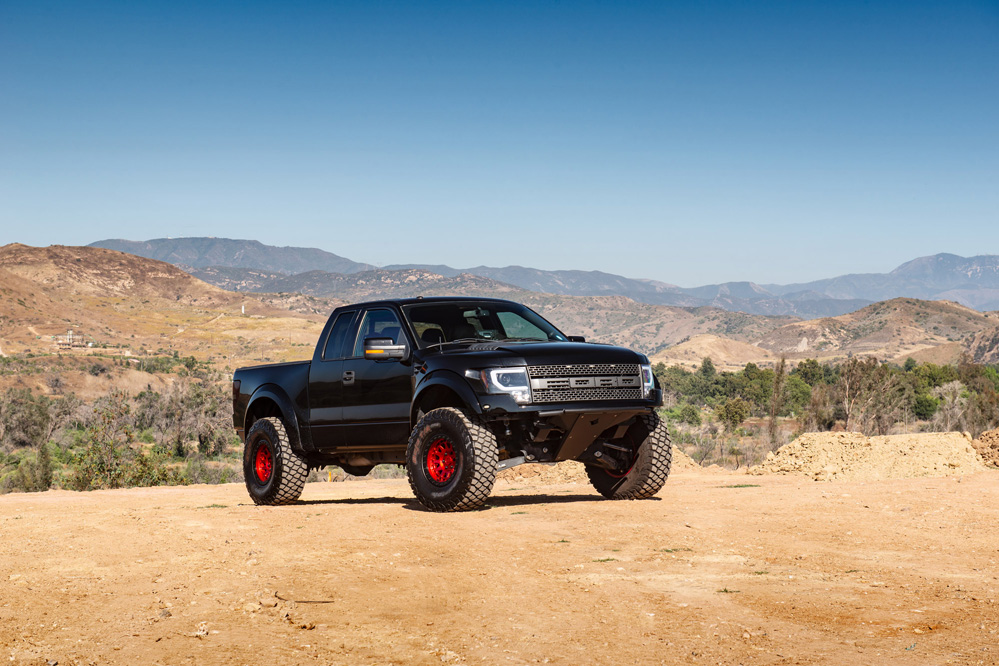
522, 340
456, 341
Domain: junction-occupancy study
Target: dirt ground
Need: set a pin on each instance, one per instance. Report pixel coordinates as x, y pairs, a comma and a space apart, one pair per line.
720, 568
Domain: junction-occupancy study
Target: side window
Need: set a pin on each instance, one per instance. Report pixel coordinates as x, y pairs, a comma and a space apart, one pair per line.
334, 343
378, 324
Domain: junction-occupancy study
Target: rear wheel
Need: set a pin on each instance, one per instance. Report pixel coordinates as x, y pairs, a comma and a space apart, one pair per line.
451, 460
274, 473
652, 454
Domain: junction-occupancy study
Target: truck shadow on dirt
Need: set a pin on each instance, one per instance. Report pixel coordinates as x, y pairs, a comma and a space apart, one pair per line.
526, 500
495, 502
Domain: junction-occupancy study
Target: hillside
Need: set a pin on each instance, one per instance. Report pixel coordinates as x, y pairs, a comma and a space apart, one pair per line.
251, 266
201, 252
130, 305
725, 353
983, 347
610, 319
892, 329
971, 281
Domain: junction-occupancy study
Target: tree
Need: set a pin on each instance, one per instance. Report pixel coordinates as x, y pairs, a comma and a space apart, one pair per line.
690, 415
809, 371
797, 395
732, 413
110, 459
924, 407
819, 413
871, 395
776, 401
953, 401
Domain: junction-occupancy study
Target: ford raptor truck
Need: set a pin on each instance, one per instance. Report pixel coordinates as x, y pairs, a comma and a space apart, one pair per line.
455, 389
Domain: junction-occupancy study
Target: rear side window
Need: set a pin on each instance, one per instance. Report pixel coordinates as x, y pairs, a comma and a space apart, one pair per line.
334, 343
378, 324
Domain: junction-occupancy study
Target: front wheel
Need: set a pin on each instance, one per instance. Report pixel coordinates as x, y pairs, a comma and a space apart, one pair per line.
652, 454
451, 460
274, 473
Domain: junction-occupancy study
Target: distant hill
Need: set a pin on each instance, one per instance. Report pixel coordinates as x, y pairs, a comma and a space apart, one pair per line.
251, 266
201, 252
971, 281
611, 319
734, 296
927, 331
122, 300
126, 304
893, 329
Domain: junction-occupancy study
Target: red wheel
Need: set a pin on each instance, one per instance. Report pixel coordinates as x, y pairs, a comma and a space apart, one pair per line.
441, 461
264, 463
273, 472
451, 460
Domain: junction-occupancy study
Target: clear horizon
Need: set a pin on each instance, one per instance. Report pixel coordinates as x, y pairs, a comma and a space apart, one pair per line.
694, 143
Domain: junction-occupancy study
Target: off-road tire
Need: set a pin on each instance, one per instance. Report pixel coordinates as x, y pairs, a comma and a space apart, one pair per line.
467, 458
650, 465
274, 473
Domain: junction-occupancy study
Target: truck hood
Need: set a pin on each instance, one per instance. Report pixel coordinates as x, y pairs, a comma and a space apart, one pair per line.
539, 353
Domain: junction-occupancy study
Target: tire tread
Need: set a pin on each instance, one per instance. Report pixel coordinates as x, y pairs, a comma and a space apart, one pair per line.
291, 470
485, 461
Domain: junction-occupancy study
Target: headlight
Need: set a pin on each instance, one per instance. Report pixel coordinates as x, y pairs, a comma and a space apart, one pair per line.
512, 381
648, 381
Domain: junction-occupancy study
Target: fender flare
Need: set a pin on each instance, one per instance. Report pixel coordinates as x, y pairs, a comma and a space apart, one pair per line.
277, 395
451, 381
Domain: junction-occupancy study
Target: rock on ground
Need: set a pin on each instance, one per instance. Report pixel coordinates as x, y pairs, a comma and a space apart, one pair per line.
987, 446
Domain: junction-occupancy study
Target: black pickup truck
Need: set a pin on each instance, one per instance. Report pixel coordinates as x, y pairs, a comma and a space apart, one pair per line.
455, 389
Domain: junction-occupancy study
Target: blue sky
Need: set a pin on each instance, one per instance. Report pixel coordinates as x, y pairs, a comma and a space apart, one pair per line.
686, 142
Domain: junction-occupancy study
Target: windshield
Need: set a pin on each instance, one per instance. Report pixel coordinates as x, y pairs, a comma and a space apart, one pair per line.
435, 323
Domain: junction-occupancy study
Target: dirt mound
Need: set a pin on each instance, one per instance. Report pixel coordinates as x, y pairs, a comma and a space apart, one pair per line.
987, 446
571, 471
852, 456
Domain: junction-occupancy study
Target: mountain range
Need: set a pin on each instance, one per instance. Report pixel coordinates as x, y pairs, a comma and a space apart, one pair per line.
246, 265
119, 301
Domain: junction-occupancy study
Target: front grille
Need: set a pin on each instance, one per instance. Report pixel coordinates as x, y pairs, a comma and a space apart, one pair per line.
582, 370
581, 395
583, 382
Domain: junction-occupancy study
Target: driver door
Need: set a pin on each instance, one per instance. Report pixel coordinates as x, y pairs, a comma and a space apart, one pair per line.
377, 393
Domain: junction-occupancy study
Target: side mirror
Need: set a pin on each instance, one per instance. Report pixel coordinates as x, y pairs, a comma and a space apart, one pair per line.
382, 348
576, 338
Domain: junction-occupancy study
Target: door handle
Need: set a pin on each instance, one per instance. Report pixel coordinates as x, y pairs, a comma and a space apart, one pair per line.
348, 378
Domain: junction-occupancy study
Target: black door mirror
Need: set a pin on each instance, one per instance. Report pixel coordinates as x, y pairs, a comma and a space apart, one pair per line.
381, 348
576, 338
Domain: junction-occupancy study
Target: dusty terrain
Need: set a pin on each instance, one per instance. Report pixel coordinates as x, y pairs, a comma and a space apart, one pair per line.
720, 568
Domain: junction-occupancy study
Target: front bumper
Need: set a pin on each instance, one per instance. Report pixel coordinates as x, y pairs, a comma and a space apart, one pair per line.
564, 431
